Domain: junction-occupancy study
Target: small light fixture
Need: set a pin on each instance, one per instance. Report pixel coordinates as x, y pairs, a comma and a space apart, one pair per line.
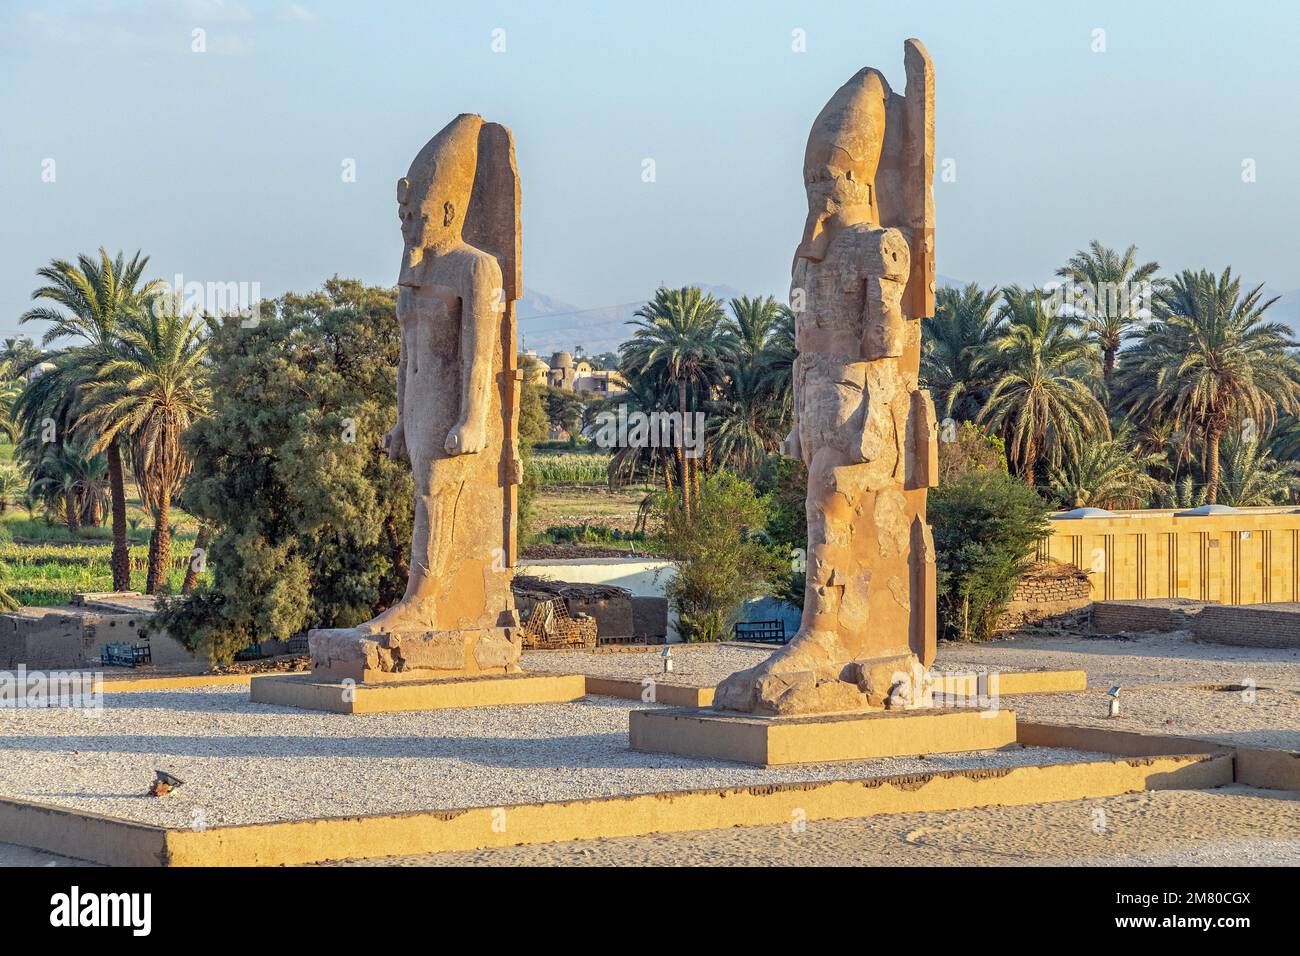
667, 655
164, 783
1113, 694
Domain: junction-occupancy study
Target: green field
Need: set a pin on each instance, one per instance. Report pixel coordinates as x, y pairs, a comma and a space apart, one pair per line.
42, 564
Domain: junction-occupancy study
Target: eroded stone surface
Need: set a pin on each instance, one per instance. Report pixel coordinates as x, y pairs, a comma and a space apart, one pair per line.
863, 278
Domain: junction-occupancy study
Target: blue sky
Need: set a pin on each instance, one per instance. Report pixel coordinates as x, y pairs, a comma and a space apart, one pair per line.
226, 165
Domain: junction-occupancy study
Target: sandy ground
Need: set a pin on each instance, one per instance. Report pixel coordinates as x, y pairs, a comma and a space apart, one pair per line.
1233, 826
248, 763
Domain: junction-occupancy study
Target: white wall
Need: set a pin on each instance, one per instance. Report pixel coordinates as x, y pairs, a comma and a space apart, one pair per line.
643, 577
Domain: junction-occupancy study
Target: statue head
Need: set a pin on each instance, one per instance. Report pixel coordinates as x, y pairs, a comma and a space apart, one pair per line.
433, 197
840, 161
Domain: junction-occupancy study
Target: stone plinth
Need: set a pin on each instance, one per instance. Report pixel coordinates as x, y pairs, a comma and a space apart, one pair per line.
311, 692
822, 738
349, 653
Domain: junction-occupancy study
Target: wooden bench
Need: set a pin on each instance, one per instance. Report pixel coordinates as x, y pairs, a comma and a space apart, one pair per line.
764, 632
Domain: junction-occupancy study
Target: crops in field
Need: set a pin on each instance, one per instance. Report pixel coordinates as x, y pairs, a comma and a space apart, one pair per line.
574, 468
39, 575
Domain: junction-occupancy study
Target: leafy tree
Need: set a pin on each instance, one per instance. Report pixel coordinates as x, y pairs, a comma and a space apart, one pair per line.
721, 559
963, 330
1211, 361
89, 302
1039, 403
532, 429
986, 525
311, 520
784, 483
969, 447
1115, 284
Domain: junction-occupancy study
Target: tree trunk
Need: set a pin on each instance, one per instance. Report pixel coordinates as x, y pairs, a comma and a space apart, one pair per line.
1213, 433
1108, 373
160, 547
192, 572
1031, 459
121, 559
683, 469
70, 511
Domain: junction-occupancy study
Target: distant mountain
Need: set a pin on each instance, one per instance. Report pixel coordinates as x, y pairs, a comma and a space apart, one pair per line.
1285, 309
549, 325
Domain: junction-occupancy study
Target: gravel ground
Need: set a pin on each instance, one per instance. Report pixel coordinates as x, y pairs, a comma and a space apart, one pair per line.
247, 763
1232, 826
703, 665
1147, 659
1169, 681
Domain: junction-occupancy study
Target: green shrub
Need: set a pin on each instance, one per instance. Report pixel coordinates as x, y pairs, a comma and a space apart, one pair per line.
986, 524
721, 555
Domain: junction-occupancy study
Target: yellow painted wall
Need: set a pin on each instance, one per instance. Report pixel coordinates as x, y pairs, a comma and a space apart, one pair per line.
1252, 557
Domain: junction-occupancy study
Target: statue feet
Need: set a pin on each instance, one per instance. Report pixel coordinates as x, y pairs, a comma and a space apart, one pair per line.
408, 614
805, 677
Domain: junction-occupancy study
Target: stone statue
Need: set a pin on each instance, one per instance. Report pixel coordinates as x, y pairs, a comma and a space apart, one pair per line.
457, 418
863, 278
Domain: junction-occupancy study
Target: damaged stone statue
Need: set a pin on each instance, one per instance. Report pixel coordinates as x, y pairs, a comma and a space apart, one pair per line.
457, 419
863, 279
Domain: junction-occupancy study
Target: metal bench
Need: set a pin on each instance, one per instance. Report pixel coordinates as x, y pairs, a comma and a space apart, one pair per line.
125, 655
765, 632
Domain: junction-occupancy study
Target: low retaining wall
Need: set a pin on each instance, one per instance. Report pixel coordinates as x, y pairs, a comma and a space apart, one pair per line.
1242, 625
121, 843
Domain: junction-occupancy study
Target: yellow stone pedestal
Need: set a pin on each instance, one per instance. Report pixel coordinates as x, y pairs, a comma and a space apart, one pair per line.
312, 692
821, 738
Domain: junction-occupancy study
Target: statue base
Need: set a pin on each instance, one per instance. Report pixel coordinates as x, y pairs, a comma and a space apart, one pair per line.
348, 653
820, 738
310, 692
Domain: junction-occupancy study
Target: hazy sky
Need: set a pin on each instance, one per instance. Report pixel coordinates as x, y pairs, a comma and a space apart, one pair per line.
226, 165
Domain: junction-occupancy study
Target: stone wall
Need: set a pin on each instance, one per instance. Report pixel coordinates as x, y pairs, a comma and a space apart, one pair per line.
1253, 625
1160, 614
1050, 592
1271, 625
48, 638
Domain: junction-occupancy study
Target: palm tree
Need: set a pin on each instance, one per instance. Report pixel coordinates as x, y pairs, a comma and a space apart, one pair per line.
1040, 402
682, 343
70, 478
1251, 477
964, 328
777, 358
12, 486
90, 300
7, 602
1111, 473
1209, 361
747, 421
150, 393
1115, 284
753, 322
